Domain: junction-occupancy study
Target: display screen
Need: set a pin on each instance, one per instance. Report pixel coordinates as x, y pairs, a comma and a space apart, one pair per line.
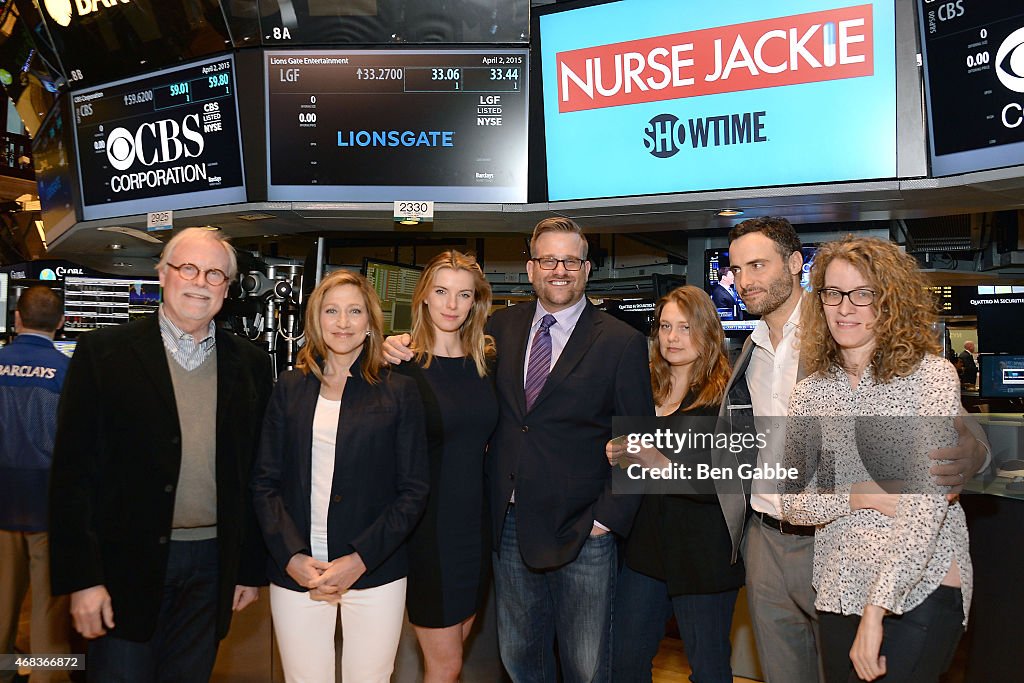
168, 141
365, 22
720, 285
973, 53
1001, 376
91, 303
395, 284
387, 126
642, 98
55, 177
1001, 324
104, 40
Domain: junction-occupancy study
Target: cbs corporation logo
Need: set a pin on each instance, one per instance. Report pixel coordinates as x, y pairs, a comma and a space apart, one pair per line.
1010, 61
59, 11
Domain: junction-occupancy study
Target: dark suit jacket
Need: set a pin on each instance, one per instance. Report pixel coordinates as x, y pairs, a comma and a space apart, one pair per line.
722, 297
553, 456
381, 474
116, 463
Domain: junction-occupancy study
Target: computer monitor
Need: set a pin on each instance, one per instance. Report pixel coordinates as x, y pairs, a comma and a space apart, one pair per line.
395, 284
92, 302
1001, 376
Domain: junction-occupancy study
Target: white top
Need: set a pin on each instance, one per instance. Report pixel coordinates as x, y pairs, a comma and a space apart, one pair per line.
771, 376
325, 437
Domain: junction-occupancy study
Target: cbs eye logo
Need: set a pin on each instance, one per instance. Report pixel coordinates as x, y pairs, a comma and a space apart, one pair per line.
1010, 61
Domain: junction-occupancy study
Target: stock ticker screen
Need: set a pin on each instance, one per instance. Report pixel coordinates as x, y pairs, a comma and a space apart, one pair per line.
167, 141
973, 54
381, 126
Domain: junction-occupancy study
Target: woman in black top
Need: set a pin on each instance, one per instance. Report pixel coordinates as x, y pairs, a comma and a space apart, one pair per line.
678, 555
340, 481
448, 550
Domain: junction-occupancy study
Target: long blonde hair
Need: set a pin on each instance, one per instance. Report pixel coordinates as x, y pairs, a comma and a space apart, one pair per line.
711, 369
903, 304
315, 350
476, 344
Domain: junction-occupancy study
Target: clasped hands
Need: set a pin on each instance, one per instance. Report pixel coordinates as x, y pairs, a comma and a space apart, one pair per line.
326, 581
648, 458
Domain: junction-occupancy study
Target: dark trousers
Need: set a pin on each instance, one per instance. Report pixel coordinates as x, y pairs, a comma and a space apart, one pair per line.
184, 646
643, 605
918, 646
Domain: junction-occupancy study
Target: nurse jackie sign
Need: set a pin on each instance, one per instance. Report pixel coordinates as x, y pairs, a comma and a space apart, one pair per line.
741, 80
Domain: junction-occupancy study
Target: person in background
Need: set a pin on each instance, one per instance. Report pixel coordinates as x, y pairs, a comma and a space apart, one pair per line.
679, 555
340, 481
449, 557
31, 375
724, 296
151, 524
893, 591
970, 365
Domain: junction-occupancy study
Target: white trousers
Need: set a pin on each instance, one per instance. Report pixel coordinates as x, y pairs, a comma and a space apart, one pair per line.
371, 625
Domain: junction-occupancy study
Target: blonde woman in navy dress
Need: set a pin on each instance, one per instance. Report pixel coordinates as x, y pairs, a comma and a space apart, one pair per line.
448, 551
340, 481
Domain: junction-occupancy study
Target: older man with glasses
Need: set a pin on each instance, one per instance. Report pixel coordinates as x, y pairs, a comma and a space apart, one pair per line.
152, 531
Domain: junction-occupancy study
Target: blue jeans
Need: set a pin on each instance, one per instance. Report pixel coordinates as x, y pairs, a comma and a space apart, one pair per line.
184, 646
643, 605
572, 603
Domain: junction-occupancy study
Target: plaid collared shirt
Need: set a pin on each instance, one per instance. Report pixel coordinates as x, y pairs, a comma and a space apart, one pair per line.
186, 351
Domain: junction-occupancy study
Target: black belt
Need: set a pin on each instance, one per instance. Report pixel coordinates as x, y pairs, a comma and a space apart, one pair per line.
783, 527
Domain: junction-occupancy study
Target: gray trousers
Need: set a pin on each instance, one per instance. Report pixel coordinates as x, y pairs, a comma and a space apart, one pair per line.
782, 603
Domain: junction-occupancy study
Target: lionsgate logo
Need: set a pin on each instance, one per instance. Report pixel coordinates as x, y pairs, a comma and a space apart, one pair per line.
61, 11
666, 134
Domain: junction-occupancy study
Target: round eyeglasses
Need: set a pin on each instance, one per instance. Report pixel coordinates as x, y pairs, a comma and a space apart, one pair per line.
189, 271
857, 297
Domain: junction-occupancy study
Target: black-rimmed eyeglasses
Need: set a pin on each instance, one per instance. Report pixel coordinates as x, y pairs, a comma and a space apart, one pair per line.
550, 262
857, 297
189, 271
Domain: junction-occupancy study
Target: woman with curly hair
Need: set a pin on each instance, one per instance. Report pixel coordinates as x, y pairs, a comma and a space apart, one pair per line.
893, 592
679, 553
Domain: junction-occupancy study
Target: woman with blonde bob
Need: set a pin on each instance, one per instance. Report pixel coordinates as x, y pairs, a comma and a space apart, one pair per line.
448, 550
893, 592
679, 553
340, 481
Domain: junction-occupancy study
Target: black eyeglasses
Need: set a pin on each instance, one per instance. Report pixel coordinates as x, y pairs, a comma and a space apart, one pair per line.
857, 297
189, 271
550, 262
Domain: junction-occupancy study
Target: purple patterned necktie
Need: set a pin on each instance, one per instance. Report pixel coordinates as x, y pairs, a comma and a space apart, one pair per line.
539, 366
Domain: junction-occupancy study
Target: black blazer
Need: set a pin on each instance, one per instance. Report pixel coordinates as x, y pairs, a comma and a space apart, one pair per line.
553, 456
115, 468
381, 476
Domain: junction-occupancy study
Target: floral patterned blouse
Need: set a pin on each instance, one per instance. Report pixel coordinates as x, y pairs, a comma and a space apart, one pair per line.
837, 436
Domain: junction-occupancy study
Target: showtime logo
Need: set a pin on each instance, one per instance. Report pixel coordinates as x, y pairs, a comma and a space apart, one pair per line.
153, 143
803, 48
60, 10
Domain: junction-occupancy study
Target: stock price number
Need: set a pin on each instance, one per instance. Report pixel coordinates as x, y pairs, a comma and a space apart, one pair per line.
978, 59
218, 81
138, 97
504, 74
445, 74
307, 117
383, 74
179, 89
